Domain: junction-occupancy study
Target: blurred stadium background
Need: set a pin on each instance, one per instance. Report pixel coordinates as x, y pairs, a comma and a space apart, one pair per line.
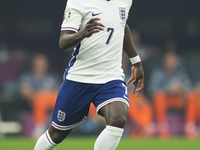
167, 37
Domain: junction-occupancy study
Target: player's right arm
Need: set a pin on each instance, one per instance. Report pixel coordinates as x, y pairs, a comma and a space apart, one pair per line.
69, 38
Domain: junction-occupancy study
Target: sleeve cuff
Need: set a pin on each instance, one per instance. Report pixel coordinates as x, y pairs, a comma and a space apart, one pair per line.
69, 28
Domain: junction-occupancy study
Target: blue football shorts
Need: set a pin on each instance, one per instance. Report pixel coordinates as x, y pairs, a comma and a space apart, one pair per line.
74, 99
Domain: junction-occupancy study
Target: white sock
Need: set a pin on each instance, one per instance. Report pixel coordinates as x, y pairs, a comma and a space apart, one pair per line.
45, 142
109, 138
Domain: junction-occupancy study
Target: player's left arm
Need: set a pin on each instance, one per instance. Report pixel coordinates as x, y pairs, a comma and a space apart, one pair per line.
137, 69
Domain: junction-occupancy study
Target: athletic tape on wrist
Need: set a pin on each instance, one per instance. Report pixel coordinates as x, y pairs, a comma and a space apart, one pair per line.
135, 59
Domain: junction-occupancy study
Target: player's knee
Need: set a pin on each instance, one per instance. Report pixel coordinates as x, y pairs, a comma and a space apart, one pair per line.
117, 121
58, 136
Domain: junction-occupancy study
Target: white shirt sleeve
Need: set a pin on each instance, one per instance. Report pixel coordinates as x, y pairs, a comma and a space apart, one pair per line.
72, 16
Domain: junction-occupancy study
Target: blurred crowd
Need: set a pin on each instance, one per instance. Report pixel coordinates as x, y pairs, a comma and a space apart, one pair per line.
168, 106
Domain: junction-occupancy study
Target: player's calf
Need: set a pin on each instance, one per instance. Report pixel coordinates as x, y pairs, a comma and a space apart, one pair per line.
51, 139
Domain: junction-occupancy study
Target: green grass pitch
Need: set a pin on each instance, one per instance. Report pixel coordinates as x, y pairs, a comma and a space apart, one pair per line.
86, 143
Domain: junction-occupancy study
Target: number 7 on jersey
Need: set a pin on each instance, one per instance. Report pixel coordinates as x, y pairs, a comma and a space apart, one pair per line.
111, 30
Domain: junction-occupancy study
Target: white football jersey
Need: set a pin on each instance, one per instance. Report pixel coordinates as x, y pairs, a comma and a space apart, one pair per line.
97, 59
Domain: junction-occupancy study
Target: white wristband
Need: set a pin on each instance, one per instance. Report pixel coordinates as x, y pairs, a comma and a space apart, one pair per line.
135, 59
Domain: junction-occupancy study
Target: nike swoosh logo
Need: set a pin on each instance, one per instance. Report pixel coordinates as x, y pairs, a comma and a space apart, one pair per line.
93, 14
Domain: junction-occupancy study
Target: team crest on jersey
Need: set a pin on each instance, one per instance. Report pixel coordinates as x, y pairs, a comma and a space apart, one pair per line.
67, 14
122, 13
61, 116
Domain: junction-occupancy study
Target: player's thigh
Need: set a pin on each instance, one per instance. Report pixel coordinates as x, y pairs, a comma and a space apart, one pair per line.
112, 102
115, 113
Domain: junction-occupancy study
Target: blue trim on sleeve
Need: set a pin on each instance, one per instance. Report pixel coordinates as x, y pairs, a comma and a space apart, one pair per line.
73, 60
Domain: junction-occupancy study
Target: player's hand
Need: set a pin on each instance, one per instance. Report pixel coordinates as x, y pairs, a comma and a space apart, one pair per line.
91, 27
137, 78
